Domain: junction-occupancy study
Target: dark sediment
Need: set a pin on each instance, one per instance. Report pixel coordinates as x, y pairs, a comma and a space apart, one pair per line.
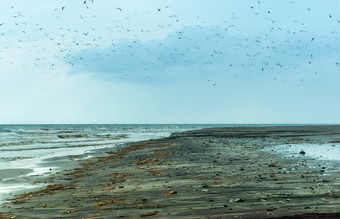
214, 173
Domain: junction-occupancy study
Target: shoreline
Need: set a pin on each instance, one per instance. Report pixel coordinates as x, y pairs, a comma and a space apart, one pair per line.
217, 172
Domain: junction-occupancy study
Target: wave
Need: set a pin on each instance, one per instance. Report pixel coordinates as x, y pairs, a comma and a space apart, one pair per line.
5, 130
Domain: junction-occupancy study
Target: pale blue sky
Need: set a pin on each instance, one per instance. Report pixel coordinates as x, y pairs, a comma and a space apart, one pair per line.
172, 61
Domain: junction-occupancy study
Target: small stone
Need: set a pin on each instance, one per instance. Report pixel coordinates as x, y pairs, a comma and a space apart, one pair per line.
239, 200
148, 214
272, 165
66, 212
271, 209
302, 153
44, 205
236, 200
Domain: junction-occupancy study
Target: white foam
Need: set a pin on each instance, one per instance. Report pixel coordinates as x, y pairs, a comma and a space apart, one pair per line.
42, 171
6, 190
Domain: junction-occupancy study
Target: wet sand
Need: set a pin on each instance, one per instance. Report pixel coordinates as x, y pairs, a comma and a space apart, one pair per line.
210, 173
10, 173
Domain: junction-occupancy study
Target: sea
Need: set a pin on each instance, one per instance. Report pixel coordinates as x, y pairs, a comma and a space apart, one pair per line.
27, 150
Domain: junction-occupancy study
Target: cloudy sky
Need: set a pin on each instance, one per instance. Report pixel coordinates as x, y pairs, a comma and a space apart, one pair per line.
175, 61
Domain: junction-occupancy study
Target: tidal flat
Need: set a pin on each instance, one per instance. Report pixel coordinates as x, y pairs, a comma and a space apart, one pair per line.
207, 173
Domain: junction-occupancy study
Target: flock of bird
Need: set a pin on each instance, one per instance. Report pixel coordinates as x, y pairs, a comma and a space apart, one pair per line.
225, 49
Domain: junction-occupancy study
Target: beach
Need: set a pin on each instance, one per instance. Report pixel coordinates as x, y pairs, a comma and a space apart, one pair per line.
207, 173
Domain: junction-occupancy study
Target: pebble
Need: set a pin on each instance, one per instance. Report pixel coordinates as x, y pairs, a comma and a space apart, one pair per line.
271, 209
302, 152
236, 200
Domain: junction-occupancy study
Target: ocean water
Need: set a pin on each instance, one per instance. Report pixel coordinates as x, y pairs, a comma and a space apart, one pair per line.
25, 149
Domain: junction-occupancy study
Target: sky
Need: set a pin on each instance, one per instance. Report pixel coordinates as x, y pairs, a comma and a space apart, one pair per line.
193, 61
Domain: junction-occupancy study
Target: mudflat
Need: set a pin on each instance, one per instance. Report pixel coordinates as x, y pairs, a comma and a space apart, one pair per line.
208, 173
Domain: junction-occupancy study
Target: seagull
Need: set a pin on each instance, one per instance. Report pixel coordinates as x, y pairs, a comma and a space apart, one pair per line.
119, 9
273, 21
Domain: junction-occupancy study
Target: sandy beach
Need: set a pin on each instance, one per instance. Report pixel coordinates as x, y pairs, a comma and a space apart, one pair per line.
209, 173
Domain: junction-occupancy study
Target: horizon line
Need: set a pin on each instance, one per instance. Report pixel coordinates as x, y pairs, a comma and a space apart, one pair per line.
169, 124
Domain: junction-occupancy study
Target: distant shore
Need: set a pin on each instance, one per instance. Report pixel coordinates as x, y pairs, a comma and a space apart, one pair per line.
216, 172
